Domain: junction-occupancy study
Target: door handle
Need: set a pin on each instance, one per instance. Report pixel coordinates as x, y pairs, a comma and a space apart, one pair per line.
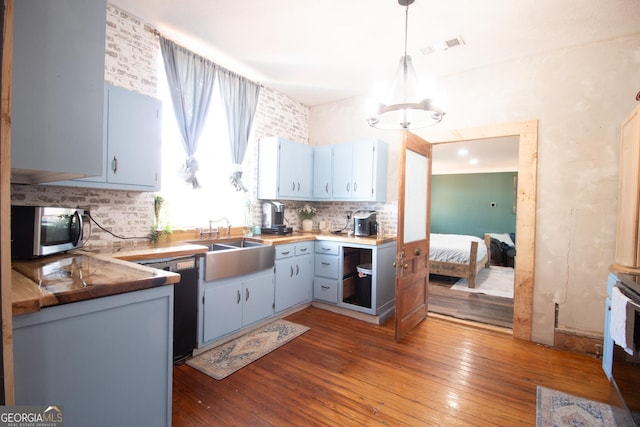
246, 294
291, 274
297, 269
293, 186
114, 164
239, 297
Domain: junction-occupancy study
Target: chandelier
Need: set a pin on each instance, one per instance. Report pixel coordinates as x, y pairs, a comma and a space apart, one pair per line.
403, 104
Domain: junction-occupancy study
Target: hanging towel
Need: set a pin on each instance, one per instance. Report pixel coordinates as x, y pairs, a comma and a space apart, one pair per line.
622, 331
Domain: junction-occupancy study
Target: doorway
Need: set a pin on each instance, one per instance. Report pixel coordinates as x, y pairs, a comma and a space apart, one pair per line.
527, 133
474, 192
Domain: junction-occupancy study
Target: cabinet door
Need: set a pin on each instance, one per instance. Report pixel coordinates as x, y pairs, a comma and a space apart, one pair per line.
304, 171
257, 296
288, 182
133, 138
57, 88
222, 309
304, 278
342, 171
285, 275
322, 172
362, 171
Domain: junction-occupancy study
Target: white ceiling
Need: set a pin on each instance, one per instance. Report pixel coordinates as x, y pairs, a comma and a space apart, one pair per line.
320, 51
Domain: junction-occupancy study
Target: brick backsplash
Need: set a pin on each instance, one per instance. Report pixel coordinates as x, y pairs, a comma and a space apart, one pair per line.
131, 60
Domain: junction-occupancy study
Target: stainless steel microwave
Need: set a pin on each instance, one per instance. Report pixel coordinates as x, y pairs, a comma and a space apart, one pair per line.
38, 230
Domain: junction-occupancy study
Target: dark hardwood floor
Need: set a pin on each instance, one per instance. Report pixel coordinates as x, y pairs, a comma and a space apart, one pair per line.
481, 308
350, 373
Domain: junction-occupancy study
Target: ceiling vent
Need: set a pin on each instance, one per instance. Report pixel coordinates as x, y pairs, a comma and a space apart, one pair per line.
442, 46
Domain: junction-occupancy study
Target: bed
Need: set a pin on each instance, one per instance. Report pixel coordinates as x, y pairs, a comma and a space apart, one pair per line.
459, 255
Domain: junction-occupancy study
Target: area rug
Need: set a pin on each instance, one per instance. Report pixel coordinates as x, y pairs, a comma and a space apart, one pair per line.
497, 281
222, 361
558, 409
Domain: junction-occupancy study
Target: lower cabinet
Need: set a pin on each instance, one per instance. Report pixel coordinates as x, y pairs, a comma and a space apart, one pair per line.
358, 277
294, 274
231, 304
108, 361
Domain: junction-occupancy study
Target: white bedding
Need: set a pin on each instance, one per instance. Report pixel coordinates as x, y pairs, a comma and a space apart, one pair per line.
454, 248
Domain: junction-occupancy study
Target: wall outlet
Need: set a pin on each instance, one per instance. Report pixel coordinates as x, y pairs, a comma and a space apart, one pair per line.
86, 209
348, 214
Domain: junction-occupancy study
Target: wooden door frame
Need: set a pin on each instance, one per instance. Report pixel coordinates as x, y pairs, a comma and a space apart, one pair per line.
5, 204
527, 131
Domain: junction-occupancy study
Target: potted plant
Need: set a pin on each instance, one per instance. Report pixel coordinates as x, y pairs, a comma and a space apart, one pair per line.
306, 214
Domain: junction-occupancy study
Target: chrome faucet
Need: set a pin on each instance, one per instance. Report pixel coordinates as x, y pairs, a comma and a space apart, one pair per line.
216, 231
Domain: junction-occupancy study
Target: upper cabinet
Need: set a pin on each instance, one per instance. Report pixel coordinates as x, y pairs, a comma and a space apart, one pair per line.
360, 171
132, 142
628, 230
323, 172
354, 171
285, 169
57, 89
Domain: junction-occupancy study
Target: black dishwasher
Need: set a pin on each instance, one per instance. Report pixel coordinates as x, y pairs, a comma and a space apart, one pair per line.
185, 302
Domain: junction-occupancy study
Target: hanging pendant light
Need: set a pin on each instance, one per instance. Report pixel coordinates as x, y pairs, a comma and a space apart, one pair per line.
404, 105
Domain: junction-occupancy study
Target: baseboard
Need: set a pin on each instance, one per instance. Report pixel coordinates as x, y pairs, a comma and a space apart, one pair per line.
369, 318
578, 342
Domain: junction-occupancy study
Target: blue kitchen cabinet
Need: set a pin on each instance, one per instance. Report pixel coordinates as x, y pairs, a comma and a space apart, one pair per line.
294, 275
336, 281
285, 169
326, 271
360, 171
131, 143
607, 349
57, 90
323, 172
108, 361
228, 305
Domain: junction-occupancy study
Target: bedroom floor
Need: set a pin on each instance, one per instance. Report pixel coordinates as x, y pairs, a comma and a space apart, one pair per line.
482, 308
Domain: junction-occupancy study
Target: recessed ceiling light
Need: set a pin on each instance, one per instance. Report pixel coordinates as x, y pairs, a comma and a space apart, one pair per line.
463, 152
473, 161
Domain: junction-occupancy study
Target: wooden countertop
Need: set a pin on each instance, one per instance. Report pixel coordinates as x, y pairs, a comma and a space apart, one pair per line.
270, 239
102, 271
90, 273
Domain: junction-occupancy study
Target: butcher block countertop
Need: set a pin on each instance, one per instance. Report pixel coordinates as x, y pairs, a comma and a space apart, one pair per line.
102, 271
90, 273
302, 236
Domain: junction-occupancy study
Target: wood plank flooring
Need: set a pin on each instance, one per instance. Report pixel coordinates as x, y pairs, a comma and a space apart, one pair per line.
350, 373
481, 308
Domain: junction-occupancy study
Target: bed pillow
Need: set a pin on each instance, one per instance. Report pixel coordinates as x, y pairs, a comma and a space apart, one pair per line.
504, 238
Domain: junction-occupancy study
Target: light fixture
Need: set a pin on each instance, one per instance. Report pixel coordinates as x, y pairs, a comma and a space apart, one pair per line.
404, 106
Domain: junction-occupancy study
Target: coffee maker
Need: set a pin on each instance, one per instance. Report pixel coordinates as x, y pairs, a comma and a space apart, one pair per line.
364, 223
273, 219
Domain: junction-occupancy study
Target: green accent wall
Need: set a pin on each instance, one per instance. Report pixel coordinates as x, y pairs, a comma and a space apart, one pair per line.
461, 204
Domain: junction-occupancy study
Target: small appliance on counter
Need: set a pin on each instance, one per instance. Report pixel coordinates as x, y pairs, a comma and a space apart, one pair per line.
41, 230
273, 219
364, 223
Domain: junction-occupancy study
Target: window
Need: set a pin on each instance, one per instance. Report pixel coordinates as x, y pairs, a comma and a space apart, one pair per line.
186, 207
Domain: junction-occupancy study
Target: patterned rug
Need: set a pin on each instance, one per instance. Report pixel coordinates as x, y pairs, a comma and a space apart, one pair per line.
558, 409
495, 280
222, 361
